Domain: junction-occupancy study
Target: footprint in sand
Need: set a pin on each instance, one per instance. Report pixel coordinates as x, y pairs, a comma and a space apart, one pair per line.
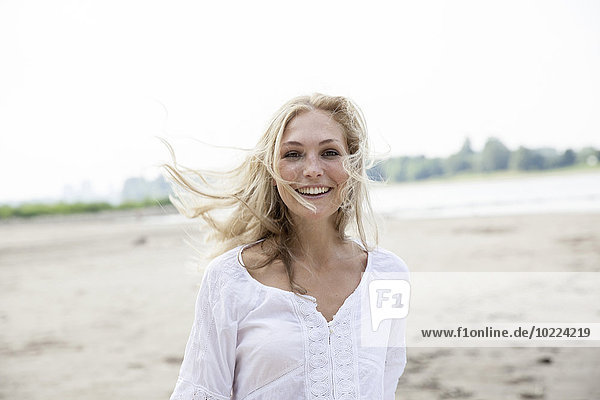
455, 393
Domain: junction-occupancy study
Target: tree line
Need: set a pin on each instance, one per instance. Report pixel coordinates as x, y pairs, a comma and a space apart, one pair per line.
138, 192
494, 156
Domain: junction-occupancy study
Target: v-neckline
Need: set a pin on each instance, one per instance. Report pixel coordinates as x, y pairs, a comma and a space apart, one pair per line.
307, 297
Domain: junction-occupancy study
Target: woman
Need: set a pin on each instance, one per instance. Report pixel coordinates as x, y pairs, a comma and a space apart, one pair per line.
278, 311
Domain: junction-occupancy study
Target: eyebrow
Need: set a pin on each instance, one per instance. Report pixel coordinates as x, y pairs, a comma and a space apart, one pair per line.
294, 143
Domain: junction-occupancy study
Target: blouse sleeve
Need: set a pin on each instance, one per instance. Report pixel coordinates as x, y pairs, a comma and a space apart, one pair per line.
395, 361
209, 361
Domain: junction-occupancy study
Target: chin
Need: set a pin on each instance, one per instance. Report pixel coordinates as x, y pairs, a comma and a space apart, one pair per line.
308, 215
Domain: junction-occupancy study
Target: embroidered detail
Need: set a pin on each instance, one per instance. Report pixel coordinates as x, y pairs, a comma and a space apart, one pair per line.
343, 354
368, 373
215, 280
330, 353
194, 394
225, 275
187, 391
396, 356
318, 369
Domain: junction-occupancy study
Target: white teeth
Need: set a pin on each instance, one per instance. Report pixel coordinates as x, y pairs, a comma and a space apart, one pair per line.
313, 190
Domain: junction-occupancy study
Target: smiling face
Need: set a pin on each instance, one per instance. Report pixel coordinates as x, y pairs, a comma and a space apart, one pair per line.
312, 149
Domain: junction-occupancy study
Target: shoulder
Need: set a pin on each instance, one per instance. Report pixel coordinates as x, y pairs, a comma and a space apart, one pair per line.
386, 261
224, 269
226, 285
225, 276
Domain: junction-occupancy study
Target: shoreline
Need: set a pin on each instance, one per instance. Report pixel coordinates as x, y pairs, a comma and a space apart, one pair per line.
172, 216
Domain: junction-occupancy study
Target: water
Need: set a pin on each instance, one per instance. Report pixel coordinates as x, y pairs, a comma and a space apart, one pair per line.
578, 192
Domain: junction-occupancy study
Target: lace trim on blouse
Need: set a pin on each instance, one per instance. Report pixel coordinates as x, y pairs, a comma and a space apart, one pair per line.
329, 349
193, 392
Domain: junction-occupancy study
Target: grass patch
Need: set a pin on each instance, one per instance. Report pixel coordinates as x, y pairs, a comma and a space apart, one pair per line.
30, 210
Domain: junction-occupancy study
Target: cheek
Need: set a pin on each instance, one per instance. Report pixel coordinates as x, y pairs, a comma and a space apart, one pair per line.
287, 171
338, 174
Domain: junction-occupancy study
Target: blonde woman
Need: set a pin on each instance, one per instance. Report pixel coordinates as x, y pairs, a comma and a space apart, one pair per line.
278, 311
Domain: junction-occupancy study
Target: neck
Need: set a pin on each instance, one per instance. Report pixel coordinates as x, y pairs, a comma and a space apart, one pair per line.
317, 242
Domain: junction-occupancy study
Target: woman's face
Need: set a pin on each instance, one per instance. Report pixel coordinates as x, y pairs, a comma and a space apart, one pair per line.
311, 153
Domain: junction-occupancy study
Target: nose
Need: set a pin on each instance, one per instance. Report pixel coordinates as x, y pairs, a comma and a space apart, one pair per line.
312, 167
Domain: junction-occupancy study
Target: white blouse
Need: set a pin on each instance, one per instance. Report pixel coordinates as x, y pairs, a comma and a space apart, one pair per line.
252, 341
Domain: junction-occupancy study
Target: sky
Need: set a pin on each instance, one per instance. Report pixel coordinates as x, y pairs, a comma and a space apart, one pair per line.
86, 87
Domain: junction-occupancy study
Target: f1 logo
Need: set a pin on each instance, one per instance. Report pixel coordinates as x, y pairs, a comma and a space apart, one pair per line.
388, 299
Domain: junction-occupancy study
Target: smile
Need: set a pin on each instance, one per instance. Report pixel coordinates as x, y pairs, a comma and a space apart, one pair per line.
316, 191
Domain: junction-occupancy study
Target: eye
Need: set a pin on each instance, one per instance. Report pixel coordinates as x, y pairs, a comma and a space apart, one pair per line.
331, 153
291, 154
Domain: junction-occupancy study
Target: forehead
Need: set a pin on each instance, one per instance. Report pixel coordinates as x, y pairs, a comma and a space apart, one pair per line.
312, 127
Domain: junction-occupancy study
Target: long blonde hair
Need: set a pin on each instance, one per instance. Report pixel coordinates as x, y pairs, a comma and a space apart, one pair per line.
256, 210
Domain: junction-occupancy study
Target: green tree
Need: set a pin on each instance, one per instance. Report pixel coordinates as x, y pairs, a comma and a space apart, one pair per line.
495, 155
395, 169
420, 167
461, 161
587, 155
525, 159
567, 158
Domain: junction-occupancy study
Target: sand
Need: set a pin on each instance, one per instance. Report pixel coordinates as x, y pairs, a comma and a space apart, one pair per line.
101, 307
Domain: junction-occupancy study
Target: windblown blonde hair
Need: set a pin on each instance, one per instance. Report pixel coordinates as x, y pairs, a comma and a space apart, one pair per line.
256, 210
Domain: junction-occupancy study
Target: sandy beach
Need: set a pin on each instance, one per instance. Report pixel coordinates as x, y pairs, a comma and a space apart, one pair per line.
101, 307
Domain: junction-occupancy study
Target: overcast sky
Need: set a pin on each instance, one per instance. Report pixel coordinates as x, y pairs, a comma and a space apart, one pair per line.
86, 86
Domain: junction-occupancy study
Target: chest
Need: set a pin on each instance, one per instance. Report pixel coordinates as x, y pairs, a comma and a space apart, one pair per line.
331, 285
331, 289
330, 295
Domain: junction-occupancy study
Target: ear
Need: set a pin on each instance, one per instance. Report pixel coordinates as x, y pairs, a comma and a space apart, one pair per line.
274, 182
